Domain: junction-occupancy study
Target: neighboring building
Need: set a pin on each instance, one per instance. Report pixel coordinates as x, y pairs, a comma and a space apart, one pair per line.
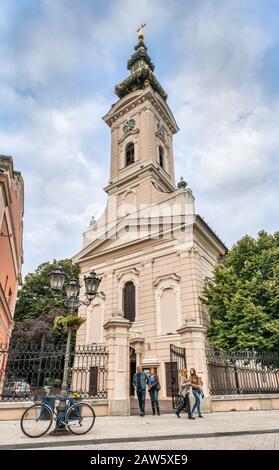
151, 249
11, 251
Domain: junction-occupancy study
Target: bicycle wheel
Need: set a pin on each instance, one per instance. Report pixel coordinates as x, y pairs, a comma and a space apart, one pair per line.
36, 420
80, 418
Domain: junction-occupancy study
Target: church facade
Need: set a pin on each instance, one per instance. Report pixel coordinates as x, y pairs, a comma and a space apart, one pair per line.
151, 249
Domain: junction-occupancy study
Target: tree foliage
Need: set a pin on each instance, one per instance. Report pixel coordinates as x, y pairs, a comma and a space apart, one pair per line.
242, 298
33, 330
36, 306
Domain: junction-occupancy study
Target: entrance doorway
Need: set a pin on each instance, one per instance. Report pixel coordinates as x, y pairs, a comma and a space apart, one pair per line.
133, 366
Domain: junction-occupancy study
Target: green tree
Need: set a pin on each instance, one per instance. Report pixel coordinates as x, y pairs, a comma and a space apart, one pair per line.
242, 298
33, 330
35, 308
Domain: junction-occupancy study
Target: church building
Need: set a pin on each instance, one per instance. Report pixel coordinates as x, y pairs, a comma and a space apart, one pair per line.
151, 249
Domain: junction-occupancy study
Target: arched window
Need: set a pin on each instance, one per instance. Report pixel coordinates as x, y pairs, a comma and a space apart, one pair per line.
161, 156
129, 301
130, 154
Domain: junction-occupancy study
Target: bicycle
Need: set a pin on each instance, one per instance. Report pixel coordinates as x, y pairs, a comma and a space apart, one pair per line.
78, 417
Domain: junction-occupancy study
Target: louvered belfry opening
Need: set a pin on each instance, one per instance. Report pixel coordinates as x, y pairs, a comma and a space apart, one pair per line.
129, 301
130, 154
161, 156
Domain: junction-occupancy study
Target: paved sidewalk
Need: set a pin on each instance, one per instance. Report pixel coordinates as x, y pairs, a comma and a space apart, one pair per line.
244, 442
120, 430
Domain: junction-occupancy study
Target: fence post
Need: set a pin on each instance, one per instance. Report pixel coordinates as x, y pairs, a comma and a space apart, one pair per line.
3, 363
236, 379
117, 341
40, 362
192, 338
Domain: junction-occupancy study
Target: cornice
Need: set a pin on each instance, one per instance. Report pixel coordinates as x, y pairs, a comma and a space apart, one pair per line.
149, 167
124, 106
209, 234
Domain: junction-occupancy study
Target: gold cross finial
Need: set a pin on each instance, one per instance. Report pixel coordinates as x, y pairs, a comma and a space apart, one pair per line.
140, 31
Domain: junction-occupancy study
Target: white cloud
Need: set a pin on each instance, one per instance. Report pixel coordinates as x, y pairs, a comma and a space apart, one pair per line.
228, 144
62, 174
229, 137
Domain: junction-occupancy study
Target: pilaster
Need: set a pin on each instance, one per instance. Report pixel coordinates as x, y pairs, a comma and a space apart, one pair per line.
117, 341
192, 337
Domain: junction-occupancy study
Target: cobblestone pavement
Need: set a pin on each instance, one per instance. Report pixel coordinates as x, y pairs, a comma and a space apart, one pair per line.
249, 428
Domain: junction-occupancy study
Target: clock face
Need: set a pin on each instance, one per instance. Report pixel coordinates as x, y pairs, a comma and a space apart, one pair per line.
129, 125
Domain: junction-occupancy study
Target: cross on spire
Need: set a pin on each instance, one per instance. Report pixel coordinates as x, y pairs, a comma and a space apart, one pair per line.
140, 31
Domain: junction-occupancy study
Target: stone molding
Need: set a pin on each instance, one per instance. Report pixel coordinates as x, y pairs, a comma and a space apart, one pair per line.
116, 321
191, 326
126, 276
136, 340
133, 272
128, 135
168, 281
172, 276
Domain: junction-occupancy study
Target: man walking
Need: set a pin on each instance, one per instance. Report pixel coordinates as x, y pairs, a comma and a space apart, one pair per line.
140, 380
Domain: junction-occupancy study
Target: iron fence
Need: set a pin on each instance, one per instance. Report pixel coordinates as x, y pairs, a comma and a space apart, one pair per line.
243, 372
31, 371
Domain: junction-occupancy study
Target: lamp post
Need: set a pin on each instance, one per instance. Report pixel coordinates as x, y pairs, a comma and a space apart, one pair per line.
57, 281
72, 302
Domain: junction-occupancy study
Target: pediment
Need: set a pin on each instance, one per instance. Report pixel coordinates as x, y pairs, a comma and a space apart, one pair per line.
116, 237
97, 247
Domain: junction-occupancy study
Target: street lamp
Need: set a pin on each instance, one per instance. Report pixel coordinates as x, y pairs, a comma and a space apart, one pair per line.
92, 283
72, 289
72, 302
57, 279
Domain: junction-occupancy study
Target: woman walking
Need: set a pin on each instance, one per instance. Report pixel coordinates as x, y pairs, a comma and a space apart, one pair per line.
196, 383
154, 387
184, 392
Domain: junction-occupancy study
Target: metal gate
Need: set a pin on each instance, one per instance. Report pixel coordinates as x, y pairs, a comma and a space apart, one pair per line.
178, 362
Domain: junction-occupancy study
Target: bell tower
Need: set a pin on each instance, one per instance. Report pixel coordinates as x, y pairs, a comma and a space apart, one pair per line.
151, 249
142, 128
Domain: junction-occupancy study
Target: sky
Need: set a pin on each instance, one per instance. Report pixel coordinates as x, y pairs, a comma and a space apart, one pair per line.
219, 63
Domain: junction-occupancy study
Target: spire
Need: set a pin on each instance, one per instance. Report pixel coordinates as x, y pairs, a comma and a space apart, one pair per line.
141, 71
